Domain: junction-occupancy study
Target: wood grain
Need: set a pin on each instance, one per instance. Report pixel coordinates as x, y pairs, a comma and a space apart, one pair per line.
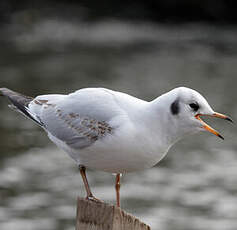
101, 216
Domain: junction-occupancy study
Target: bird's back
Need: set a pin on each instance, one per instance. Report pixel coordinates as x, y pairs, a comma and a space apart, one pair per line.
97, 127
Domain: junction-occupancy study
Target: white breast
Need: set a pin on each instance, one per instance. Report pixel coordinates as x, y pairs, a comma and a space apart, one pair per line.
124, 151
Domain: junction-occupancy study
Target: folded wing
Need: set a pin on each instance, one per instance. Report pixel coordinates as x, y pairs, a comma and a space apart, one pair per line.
78, 119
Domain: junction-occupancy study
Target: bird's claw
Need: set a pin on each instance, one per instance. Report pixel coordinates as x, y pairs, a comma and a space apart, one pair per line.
92, 198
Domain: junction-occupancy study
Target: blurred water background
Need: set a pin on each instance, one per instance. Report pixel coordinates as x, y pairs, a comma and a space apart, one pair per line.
193, 188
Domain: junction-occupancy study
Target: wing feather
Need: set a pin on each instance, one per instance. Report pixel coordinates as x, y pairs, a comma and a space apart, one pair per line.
78, 119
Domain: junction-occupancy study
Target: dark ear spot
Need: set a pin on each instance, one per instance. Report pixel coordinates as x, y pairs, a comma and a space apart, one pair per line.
174, 108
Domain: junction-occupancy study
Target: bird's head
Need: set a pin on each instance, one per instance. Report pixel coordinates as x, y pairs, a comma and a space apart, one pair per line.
187, 107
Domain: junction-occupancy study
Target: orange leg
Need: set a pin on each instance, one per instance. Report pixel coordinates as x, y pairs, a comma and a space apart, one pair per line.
117, 188
87, 187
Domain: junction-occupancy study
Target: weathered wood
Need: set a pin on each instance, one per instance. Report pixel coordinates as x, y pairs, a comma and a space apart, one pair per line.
101, 216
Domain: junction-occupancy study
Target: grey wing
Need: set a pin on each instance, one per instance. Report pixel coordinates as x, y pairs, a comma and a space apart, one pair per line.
79, 120
76, 130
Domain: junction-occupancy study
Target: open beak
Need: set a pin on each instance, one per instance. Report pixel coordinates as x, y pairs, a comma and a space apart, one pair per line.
207, 127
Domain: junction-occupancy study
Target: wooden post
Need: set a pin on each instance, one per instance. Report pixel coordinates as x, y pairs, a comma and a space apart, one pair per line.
101, 216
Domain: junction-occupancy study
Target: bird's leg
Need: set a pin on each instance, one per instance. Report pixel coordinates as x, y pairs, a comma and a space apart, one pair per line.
117, 188
89, 196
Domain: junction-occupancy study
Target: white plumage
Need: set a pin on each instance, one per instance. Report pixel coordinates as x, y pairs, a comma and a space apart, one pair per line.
138, 135
112, 131
122, 148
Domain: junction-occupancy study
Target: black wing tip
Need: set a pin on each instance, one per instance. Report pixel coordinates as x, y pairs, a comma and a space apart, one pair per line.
3, 91
15, 96
3, 88
8, 92
19, 102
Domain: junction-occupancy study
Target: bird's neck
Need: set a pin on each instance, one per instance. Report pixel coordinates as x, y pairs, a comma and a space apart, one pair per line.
164, 127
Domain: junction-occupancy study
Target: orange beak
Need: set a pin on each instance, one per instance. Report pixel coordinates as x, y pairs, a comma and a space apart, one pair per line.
207, 127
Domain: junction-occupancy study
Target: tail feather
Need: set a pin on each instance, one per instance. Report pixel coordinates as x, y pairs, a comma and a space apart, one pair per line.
19, 102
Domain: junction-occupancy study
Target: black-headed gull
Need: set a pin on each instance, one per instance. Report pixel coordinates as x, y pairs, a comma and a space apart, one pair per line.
112, 131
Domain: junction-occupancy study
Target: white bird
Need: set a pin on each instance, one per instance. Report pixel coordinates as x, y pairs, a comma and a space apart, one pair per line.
112, 131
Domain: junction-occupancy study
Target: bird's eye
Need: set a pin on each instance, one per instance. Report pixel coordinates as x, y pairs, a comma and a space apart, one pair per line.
194, 106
